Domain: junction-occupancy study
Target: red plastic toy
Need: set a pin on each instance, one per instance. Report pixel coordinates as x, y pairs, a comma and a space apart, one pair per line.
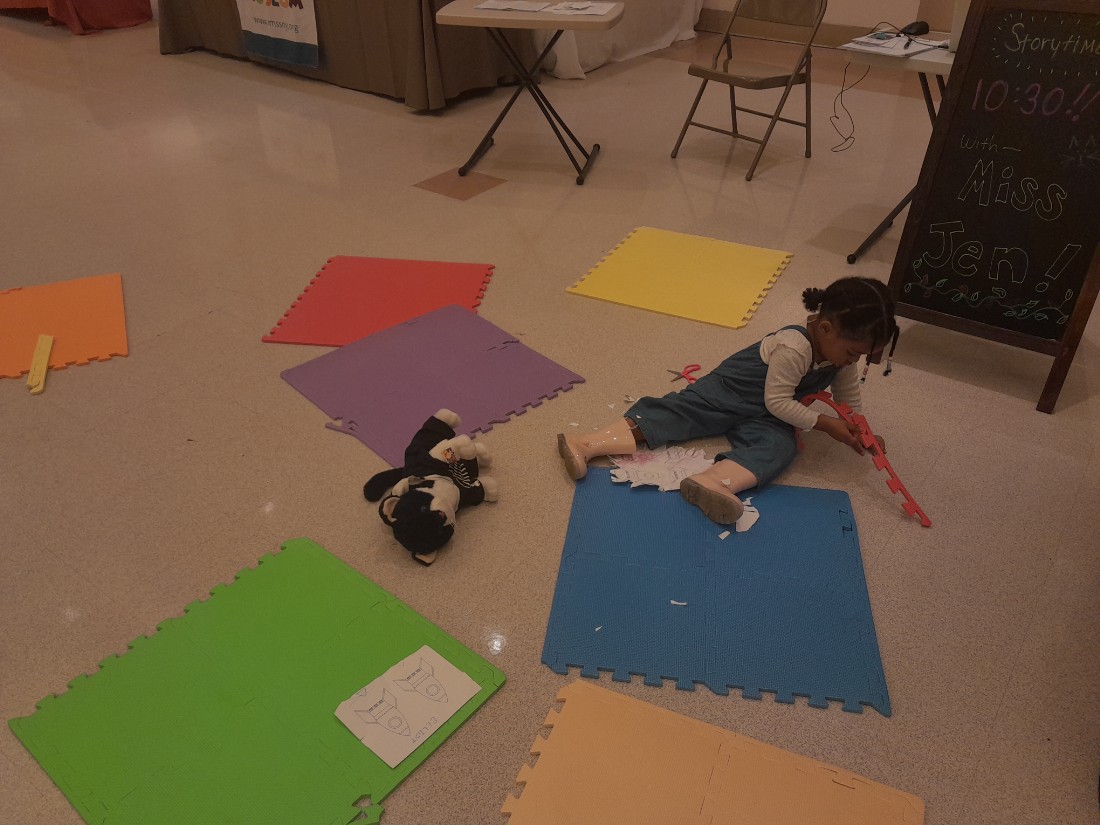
868, 441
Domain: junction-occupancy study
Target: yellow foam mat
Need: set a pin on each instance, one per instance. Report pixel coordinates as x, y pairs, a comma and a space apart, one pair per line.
688, 276
613, 759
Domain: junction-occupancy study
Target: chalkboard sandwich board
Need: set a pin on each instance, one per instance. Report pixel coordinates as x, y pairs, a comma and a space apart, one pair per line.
1001, 240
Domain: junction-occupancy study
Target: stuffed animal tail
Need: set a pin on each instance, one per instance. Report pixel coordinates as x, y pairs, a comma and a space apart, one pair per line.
378, 484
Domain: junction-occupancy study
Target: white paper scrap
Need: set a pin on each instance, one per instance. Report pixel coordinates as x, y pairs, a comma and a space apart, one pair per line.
748, 518
678, 604
725, 534
396, 712
664, 469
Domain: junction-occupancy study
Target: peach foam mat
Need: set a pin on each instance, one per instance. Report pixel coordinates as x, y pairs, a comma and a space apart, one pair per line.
613, 759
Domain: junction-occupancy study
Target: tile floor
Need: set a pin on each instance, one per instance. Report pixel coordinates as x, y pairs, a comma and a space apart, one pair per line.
131, 487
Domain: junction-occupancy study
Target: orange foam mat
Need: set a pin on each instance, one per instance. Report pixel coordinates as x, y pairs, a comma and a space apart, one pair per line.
85, 316
613, 759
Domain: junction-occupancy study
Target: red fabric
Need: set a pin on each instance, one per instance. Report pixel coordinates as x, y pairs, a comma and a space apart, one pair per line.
84, 16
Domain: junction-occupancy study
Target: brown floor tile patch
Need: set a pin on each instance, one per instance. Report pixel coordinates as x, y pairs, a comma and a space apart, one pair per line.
458, 186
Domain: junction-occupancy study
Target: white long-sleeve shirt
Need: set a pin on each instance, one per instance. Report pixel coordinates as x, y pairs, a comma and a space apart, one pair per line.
790, 358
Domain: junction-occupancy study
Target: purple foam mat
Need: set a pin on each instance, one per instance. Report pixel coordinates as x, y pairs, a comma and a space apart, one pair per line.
381, 388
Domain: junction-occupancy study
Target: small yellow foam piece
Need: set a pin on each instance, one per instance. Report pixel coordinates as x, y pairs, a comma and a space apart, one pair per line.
40, 362
703, 279
616, 760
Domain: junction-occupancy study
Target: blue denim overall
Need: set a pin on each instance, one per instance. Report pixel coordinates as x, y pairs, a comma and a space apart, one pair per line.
730, 401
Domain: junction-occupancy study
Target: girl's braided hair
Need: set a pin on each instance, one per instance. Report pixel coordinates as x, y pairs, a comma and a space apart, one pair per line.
862, 309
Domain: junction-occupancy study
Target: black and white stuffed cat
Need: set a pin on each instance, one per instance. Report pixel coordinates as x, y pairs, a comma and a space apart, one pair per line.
441, 475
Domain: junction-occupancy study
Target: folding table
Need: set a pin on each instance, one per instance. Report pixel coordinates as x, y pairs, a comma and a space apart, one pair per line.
937, 62
466, 13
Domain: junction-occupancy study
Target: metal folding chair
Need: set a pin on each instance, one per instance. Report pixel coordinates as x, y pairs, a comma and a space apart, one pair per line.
806, 16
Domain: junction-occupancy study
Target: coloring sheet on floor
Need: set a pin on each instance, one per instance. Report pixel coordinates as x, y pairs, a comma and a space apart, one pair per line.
397, 711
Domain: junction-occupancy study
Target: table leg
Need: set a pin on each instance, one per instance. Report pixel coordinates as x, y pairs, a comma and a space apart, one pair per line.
529, 82
888, 221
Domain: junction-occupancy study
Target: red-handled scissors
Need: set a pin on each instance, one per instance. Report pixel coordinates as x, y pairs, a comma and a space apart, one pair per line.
686, 373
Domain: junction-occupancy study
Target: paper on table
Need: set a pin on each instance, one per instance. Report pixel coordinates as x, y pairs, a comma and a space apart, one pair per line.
511, 5
581, 8
398, 711
892, 44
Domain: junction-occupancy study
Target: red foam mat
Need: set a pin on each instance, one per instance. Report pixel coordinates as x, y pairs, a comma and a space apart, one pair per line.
352, 297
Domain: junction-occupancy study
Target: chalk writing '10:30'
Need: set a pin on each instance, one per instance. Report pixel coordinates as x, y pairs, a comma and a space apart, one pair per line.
1033, 99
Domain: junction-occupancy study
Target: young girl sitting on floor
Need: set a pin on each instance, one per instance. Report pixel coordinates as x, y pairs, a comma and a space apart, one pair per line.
753, 398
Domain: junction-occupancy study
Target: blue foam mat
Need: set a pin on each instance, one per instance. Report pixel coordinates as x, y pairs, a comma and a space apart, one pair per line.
782, 608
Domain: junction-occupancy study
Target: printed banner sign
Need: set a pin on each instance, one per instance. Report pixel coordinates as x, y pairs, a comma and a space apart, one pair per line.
283, 30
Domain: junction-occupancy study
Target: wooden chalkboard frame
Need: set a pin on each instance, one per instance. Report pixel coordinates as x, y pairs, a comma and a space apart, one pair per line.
1064, 348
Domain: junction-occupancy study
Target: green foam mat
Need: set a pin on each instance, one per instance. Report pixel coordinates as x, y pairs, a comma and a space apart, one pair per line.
226, 714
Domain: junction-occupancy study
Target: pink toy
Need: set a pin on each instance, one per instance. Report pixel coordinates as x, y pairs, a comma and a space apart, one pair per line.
868, 441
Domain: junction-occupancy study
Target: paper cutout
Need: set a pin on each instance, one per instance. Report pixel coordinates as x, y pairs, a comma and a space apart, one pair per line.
687, 276
663, 469
666, 468
748, 518
611, 758
431, 691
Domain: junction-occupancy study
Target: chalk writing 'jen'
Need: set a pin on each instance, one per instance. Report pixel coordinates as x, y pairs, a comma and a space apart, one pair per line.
1074, 44
982, 182
963, 256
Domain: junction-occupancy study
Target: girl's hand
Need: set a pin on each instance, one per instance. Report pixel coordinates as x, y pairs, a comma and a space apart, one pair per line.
841, 430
